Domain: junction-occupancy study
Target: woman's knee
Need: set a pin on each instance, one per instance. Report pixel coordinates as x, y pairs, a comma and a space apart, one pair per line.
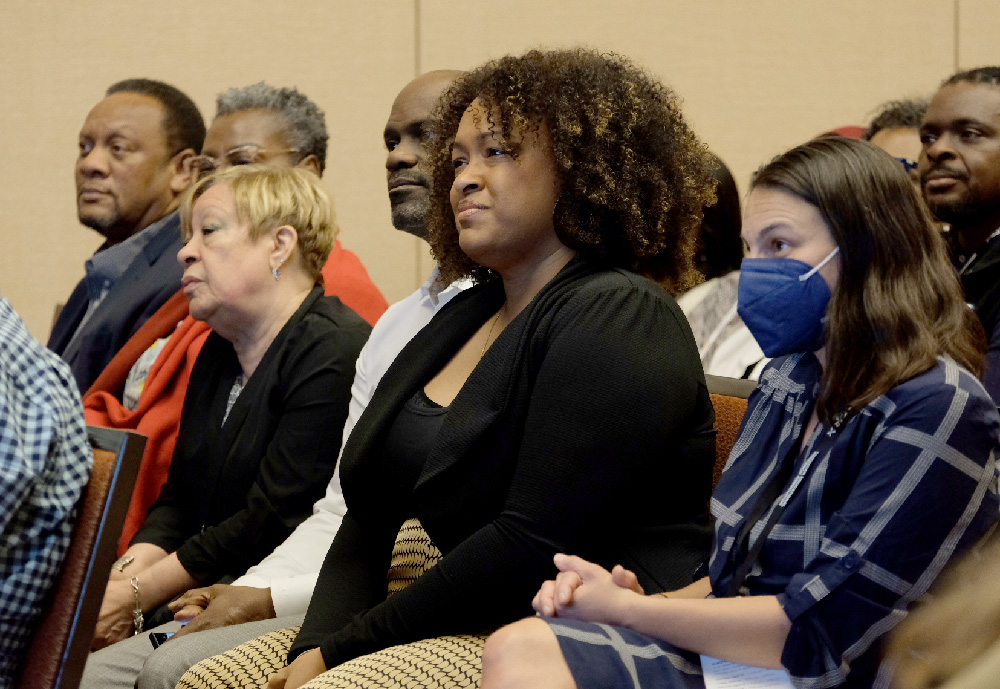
519, 650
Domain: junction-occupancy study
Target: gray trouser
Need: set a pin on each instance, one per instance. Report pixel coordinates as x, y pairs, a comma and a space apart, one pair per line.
134, 661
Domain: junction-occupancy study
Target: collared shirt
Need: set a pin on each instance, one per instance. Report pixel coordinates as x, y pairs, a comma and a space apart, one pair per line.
291, 570
105, 268
875, 508
961, 258
725, 344
45, 462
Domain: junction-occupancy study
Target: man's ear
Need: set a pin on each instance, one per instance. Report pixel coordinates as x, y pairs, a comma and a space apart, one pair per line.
285, 239
311, 162
183, 173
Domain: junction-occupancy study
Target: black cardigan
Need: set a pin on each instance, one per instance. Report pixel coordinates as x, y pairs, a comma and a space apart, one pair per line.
235, 493
586, 428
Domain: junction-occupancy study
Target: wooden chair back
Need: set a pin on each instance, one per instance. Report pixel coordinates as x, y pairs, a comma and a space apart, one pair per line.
729, 397
61, 642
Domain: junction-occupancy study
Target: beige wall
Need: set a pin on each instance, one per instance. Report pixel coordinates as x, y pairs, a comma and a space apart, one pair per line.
756, 77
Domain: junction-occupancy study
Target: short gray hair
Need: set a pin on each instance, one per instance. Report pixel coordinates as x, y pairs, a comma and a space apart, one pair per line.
306, 122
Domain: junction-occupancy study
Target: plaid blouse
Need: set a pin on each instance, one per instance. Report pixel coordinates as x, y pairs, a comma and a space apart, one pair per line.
874, 509
45, 462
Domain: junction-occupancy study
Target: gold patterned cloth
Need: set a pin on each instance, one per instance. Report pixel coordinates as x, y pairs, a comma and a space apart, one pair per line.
447, 662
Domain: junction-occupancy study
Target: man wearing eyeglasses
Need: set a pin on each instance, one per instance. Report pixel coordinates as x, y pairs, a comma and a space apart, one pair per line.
960, 179
135, 150
280, 126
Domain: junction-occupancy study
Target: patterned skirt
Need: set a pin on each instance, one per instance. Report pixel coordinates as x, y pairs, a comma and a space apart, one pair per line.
602, 656
447, 662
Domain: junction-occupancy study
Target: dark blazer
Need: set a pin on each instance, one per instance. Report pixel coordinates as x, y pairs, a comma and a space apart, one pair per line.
236, 490
152, 278
586, 428
981, 283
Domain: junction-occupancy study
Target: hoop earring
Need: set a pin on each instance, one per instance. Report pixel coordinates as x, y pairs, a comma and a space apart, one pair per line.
276, 273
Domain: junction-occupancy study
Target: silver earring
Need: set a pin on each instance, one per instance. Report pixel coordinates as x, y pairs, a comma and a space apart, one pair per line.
276, 273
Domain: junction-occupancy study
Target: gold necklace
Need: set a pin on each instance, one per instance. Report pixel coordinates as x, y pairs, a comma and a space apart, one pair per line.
486, 344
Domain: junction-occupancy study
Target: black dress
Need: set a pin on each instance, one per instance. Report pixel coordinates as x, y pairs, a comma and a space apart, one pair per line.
586, 428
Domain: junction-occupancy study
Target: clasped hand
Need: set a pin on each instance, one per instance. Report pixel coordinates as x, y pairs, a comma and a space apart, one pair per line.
585, 591
221, 605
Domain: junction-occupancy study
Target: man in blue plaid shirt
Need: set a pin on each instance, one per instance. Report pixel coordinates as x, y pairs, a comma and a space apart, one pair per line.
45, 462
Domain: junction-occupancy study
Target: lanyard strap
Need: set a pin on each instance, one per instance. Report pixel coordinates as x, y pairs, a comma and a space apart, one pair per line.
767, 500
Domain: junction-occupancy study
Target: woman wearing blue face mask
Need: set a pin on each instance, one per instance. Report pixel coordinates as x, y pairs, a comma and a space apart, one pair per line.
866, 460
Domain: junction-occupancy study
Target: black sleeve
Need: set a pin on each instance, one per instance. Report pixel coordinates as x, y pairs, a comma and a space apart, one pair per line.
618, 385
351, 581
168, 522
172, 519
297, 465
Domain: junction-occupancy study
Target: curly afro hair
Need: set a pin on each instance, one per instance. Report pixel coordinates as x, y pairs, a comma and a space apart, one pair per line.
634, 179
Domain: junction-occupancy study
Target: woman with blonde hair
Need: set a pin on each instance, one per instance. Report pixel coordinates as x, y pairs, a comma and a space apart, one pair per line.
953, 641
268, 395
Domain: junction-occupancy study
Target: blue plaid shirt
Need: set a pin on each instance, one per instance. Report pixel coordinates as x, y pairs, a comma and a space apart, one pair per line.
45, 462
875, 509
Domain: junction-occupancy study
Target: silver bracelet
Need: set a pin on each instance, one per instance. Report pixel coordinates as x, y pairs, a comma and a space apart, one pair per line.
123, 562
137, 619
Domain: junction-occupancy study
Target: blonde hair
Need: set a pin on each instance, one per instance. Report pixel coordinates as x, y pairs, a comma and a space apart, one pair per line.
953, 629
269, 197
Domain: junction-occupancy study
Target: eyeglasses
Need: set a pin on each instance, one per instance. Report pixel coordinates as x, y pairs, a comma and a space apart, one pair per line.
245, 154
908, 165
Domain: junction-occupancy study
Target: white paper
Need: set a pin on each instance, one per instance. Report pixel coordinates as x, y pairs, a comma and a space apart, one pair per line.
721, 674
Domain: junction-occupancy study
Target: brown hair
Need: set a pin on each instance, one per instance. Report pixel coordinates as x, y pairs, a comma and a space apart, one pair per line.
633, 177
268, 197
897, 304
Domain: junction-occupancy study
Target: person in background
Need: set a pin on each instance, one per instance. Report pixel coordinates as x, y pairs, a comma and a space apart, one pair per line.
268, 395
136, 147
953, 641
960, 180
45, 462
265, 124
559, 401
725, 345
866, 461
223, 616
895, 129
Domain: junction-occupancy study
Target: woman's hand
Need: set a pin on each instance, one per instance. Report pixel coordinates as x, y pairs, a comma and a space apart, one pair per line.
304, 668
626, 579
583, 590
114, 622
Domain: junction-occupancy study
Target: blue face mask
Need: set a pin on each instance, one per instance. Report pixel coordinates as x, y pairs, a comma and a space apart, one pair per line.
783, 302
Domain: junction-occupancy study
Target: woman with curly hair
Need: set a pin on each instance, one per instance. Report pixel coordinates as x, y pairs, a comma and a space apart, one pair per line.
559, 403
866, 459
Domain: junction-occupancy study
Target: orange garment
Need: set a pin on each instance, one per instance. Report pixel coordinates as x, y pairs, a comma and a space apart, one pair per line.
158, 412
345, 278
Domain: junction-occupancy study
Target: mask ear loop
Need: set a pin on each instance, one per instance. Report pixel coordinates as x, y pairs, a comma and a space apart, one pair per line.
806, 276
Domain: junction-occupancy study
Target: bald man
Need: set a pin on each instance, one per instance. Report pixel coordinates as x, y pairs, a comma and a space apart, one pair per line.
275, 593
